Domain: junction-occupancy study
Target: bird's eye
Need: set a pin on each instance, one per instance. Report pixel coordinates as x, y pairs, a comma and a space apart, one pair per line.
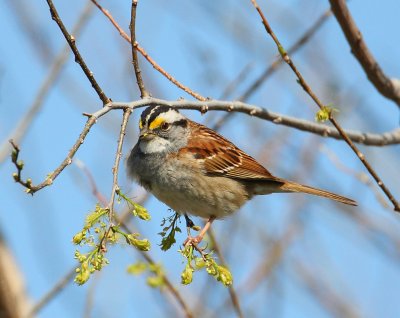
165, 126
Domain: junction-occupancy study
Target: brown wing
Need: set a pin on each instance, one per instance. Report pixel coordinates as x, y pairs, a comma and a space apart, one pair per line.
221, 157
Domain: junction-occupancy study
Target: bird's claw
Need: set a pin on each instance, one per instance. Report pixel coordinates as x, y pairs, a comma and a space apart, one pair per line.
194, 241
190, 240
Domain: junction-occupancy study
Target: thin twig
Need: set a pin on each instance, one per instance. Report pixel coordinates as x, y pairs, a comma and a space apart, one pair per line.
135, 60
309, 91
389, 88
127, 114
115, 187
146, 55
367, 165
78, 58
23, 125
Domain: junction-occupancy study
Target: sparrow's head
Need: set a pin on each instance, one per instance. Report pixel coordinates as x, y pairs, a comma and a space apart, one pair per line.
162, 128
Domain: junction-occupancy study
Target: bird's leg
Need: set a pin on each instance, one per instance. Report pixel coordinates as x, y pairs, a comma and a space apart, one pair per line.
197, 239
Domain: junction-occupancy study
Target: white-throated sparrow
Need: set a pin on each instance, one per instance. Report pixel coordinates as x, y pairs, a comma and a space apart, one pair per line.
194, 170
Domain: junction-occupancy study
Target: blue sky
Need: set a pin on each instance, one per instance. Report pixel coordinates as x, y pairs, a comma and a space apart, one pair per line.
205, 44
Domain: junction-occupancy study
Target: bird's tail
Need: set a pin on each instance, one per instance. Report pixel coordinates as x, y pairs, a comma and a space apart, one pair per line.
289, 186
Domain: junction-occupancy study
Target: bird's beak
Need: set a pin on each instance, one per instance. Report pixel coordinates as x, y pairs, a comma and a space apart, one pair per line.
146, 135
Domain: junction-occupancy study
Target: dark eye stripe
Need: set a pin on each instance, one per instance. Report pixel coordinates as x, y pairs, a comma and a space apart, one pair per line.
183, 123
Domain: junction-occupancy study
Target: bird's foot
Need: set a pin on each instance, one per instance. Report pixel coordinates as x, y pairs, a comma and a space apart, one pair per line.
194, 242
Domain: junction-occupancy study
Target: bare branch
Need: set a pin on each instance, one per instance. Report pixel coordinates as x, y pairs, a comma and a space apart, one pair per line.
367, 165
315, 98
365, 138
115, 187
386, 86
135, 60
78, 58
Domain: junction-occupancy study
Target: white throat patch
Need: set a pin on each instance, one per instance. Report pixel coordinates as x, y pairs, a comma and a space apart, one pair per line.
157, 144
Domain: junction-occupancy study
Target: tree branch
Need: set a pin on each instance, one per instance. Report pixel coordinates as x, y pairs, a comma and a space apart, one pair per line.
135, 60
365, 138
390, 88
78, 58
115, 187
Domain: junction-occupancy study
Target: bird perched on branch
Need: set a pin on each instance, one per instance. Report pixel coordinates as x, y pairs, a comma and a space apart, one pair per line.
195, 170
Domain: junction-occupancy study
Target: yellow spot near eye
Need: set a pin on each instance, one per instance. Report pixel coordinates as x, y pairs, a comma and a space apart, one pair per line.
156, 123
140, 124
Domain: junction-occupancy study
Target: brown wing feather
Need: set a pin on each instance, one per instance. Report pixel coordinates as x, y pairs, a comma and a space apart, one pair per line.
221, 157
